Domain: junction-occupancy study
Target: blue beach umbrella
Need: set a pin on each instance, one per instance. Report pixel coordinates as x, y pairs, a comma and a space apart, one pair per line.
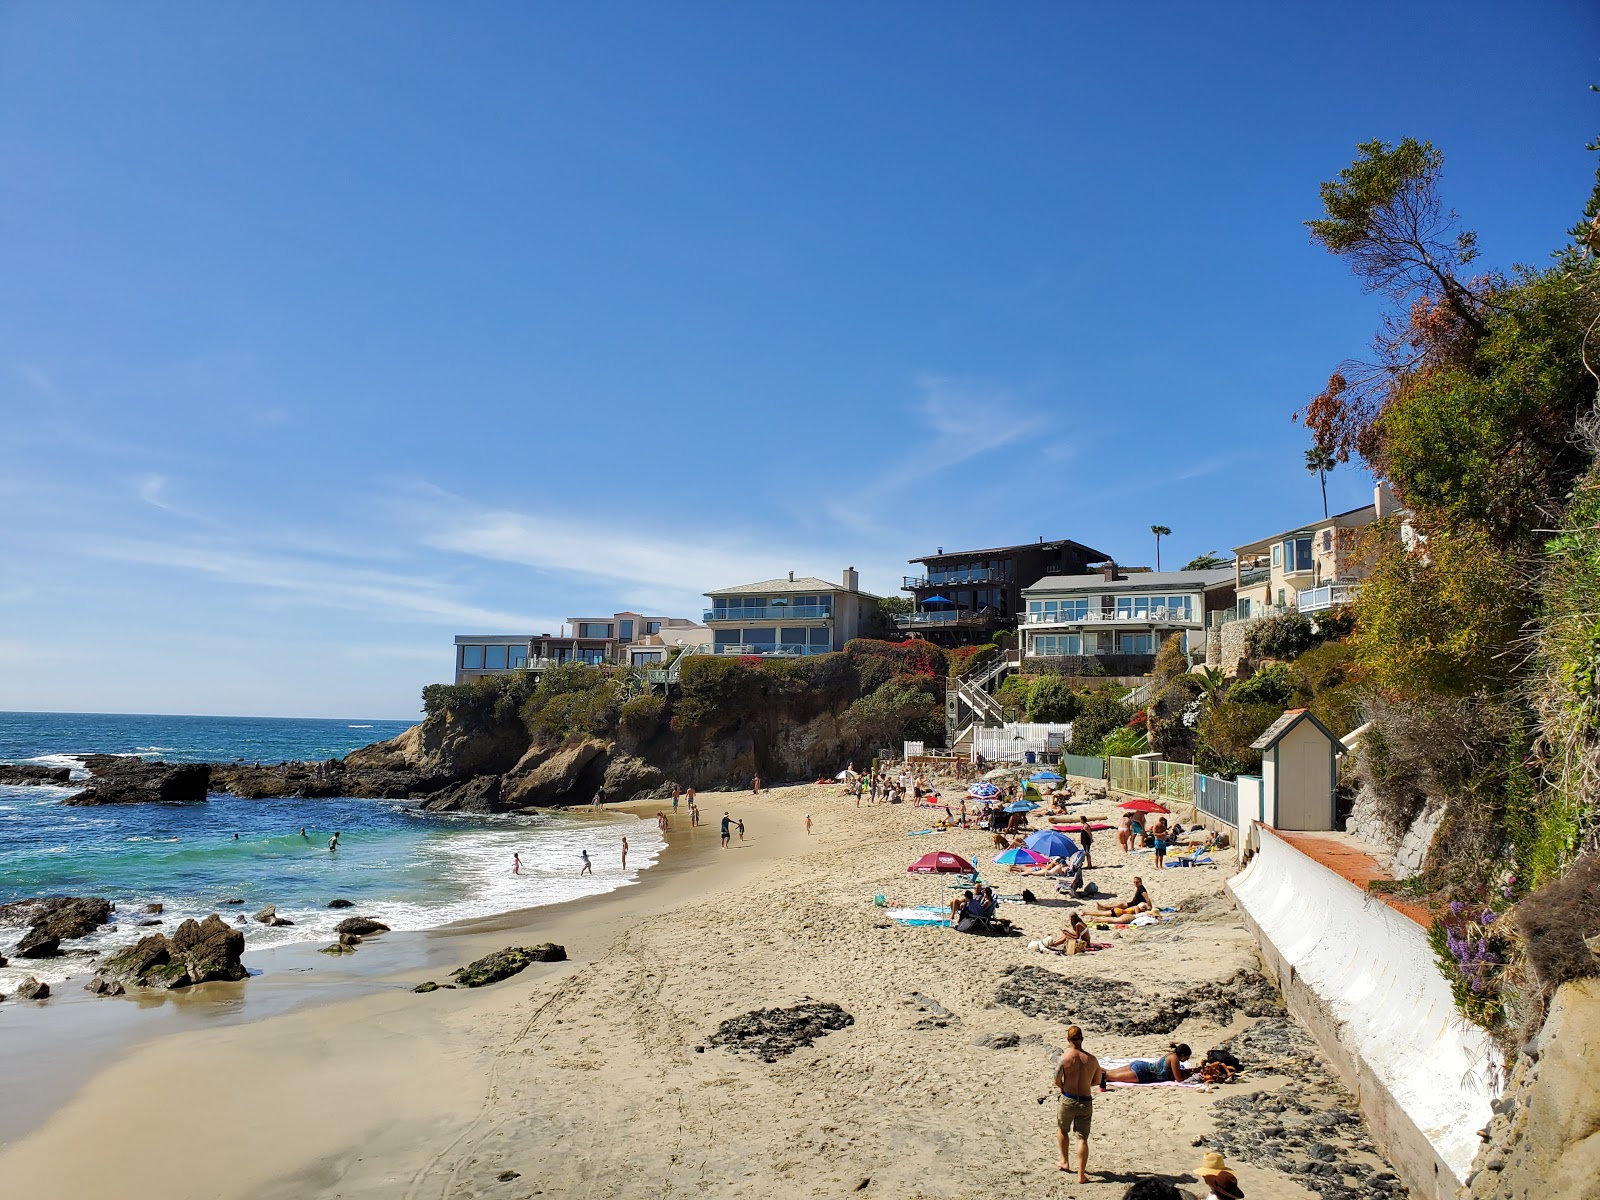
1044, 777
1017, 806
1020, 856
983, 791
1051, 844
938, 600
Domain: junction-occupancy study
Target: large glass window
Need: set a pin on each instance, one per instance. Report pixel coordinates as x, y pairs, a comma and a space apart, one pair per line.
594, 629
726, 637
1277, 554
472, 658
1296, 554
625, 631
652, 627
1058, 644
821, 636
494, 658
517, 657
761, 637
793, 637
1138, 643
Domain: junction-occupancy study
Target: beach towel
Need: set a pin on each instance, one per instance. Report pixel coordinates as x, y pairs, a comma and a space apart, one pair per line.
918, 916
1094, 828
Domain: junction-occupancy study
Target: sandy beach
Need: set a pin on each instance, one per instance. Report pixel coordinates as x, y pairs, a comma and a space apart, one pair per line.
594, 1077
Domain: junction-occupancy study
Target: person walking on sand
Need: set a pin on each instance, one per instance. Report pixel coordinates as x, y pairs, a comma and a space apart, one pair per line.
727, 824
808, 823
588, 867
1075, 1078
755, 785
516, 864
624, 852
741, 829
675, 796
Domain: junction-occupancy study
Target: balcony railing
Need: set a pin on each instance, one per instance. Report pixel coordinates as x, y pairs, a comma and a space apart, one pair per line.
771, 650
1329, 595
1227, 616
1253, 575
774, 612
952, 578
955, 616
1154, 616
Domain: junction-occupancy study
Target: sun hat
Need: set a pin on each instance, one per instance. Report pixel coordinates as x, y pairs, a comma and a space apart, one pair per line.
1222, 1181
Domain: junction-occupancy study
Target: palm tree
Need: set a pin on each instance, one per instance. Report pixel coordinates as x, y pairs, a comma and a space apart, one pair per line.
1160, 531
1319, 462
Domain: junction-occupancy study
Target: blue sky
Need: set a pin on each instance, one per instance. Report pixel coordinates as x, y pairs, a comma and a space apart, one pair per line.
328, 332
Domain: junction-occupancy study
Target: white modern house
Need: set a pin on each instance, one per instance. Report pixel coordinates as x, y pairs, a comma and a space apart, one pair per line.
788, 618
624, 637
1118, 619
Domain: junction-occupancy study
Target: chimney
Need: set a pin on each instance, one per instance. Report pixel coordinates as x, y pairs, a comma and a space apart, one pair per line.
1110, 572
791, 576
941, 549
1383, 501
852, 581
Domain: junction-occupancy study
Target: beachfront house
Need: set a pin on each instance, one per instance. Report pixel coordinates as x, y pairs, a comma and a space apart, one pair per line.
624, 637
1113, 621
966, 596
1307, 569
786, 618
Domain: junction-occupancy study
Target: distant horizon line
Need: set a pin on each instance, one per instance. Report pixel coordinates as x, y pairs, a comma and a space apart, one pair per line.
51, 712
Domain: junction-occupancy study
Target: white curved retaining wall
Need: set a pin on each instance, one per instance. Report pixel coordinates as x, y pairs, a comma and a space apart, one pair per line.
1363, 978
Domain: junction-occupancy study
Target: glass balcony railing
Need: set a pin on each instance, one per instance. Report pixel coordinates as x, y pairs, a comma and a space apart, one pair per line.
774, 612
954, 616
771, 649
1150, 616
953, 578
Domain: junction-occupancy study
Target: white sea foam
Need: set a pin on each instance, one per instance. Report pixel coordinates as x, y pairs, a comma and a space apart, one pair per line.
358, 726
477, 863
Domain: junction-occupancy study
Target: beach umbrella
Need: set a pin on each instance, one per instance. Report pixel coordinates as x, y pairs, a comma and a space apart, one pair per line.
1051, 844
1021, 806
941, 862
1044, 777
1144, 806
1020, 856
983, 791
841, 774
938, 600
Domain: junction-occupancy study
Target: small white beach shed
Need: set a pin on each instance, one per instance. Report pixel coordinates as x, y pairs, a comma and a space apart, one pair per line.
1299, 770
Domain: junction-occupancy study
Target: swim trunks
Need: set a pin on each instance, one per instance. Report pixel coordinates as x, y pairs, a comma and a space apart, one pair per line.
1074, 1114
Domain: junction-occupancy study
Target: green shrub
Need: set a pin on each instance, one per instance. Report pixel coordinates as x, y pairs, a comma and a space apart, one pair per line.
1051, 700
640, 718
1279, 637
1123, 742
1272, 684
1225, 731
896, 712
1099, 712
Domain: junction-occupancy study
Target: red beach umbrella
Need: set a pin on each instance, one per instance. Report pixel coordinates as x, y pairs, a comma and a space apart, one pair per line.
1145, 806
940, 862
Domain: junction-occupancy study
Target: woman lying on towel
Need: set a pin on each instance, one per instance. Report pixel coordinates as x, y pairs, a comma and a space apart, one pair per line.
1169, 1069
1138, 903
1061, 944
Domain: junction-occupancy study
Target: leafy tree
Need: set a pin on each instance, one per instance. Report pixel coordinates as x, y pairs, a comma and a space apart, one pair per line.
896, 605
1051, 699
1208, 561
894, 713
1160, 531
1273, 684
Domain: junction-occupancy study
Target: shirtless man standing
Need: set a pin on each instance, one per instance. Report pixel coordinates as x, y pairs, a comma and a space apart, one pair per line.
1076, 1075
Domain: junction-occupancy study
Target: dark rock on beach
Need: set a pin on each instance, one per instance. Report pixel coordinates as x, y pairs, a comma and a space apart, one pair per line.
771, 1033
341, 903
430, 986
503, 964
33, 989
361, 926
101, 986
1120, 1008
119, 779
24, 774
195, 952
52, 920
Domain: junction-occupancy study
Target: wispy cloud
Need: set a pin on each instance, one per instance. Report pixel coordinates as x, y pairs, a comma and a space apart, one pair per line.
150, 489
281, 579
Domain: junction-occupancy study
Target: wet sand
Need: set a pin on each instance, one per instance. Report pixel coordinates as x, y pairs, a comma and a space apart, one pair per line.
594, 1077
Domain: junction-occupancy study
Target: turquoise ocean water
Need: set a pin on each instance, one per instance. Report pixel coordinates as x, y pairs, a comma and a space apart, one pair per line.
410, 870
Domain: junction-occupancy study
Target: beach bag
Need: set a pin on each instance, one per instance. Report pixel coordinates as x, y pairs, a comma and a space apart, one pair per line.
1224, 1057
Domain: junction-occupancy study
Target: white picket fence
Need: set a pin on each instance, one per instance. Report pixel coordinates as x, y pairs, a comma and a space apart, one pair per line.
1013, 743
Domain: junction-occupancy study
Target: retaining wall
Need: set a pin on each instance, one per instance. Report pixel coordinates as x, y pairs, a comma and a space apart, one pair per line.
1362, 977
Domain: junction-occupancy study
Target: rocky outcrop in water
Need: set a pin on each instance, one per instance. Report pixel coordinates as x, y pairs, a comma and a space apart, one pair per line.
361, 926
120, 779
33, 989
52, 920
24, 774
195, 952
